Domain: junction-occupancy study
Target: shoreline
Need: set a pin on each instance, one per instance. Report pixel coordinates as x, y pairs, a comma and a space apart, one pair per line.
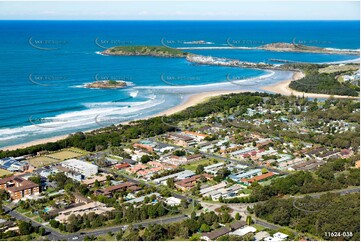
284, 89
194, 99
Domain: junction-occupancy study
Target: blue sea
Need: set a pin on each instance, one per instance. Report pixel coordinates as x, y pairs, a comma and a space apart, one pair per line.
44, 66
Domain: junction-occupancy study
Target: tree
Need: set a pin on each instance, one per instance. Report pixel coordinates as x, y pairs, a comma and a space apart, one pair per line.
54, 223
264, 171
179, 153
200, 169
42, 231
205, 228
96, 184
145, 158
170, 182
237, 216
25, 228
35, 179
249, 220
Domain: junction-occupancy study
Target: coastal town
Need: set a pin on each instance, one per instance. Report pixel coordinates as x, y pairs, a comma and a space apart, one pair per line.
180, 120
211, 165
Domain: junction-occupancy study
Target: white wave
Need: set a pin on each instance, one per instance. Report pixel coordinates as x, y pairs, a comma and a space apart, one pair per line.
130, 84
134, 94
84, 119
223, 84
336, 49
99, 53
357, 60
217, 48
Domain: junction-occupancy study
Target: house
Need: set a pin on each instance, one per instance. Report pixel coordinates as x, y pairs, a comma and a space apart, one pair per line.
81, 199
96, 207
175, 160
143, 147
121, 166
172, 201
277, 237
224, 192
204, 192
177, 176
6, 226
261, 235
102, 178
210, 236
129, 161
248, 174
141, 199
243, 231
258, 178
213, 169
18, 187
120, 187
195, 157
13, 165
181, 140
189, 183
195, 135
136, 168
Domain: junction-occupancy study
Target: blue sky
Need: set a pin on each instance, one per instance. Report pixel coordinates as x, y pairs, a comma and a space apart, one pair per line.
180, 10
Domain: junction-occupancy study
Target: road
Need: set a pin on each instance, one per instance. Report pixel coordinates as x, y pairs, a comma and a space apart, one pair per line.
52, 234
229, 159
342, 192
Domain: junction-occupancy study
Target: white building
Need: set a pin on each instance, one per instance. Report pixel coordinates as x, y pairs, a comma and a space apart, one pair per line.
243, 231
172, 201
82, 167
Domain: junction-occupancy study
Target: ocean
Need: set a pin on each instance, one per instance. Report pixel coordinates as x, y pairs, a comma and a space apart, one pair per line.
44, 66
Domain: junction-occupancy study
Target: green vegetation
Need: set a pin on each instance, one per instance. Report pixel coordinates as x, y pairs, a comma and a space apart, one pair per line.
4, 173
317, 216
336, 174
114, 135
325, 83
187, 229
160, 51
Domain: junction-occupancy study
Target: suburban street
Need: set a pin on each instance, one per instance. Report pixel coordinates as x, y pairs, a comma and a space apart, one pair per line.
53, 234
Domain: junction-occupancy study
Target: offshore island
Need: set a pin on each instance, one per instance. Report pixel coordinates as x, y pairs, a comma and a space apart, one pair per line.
107, 84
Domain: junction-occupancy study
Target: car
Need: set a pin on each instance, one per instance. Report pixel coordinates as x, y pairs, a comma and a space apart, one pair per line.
75, 238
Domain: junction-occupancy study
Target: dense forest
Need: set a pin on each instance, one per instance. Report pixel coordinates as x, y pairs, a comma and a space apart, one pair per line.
325, 83
330, 217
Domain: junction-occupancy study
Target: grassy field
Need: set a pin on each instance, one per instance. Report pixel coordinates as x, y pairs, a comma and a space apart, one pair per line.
4, 172
193, 166
67, 154
56, 157
42, 161
337, 68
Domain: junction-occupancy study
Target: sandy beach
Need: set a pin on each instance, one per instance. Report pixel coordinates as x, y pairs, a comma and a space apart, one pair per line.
284, 89
35, 142
191, 101
281, 88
